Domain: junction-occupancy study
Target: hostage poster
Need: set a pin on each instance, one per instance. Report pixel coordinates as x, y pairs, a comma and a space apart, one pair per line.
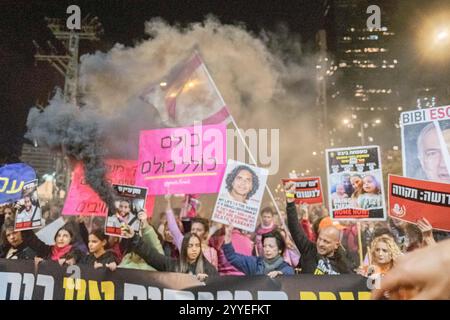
28, 208
240, 195
426, 144
355, 183
129, 201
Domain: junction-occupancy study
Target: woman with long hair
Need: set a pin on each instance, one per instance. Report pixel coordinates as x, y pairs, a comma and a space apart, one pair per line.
199, 226
60, 251
191, 260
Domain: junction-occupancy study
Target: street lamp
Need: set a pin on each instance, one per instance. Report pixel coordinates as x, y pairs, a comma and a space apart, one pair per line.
434, 36
442, 35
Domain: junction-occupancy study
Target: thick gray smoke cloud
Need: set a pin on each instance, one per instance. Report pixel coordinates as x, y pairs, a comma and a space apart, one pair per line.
75, 132
259, 76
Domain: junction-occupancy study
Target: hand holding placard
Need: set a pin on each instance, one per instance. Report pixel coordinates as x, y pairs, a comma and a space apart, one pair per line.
142, 216
290, 192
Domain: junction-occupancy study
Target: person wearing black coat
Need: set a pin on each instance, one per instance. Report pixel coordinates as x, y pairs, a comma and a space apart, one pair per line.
323, 257
99, 256
191, 259
13, 245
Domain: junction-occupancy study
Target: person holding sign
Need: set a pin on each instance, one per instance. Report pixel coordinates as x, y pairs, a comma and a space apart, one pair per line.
271, 262
322, 257
63, 248
191, 259
199, 226
242, 183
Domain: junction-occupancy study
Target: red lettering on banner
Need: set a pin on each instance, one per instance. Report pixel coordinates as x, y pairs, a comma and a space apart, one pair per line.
439, 113
351, 213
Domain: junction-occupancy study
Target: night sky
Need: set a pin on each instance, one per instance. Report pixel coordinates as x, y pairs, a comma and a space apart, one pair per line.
23, 81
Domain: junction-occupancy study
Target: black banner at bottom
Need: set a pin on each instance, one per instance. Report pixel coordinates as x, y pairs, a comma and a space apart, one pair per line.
20, 281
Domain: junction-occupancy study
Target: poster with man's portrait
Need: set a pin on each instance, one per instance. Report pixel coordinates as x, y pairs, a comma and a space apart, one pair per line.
355, 184
426, 144
28, 209
129, 201
240, 195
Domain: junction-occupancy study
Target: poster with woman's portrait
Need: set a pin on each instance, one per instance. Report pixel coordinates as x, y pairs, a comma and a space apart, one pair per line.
355, 183
240, 195
129, 201
28, 208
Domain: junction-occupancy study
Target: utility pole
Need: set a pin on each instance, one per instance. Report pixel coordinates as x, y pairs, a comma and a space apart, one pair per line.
321, 100
67, 65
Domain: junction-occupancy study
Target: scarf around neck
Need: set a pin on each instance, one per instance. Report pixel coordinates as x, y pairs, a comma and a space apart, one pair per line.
272, 264
58, 253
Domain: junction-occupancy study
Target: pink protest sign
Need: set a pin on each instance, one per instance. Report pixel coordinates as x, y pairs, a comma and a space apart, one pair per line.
83, 200
182, 160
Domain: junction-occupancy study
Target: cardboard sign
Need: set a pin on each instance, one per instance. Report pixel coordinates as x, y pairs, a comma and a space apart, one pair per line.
240, 195
412, 199
307, 190
83, 200
355, 183
29, 212
426, 144
130, 200
12, 179
182, 160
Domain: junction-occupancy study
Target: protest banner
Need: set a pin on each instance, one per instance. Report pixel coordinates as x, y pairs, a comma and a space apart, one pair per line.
12, 179
18, 281
129, 201
355, 183
83, 200
412, 199
240, 195
307, 190
29, 214
182, 160
426, 144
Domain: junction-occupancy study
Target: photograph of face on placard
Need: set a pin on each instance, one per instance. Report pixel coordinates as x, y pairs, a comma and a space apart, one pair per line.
425, 155
28, 208
355, 183
240, 195
129, 201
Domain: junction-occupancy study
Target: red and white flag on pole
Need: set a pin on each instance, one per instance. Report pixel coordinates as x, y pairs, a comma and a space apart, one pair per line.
188, 95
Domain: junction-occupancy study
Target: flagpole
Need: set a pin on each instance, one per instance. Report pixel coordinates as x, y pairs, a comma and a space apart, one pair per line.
241, 137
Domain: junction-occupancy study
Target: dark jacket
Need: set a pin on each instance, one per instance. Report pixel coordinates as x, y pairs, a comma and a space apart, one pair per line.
251, 265
44, 251
310, 260
24, 252
104, 259
163, 263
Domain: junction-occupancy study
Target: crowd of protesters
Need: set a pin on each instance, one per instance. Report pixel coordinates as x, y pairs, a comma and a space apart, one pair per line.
301, 239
